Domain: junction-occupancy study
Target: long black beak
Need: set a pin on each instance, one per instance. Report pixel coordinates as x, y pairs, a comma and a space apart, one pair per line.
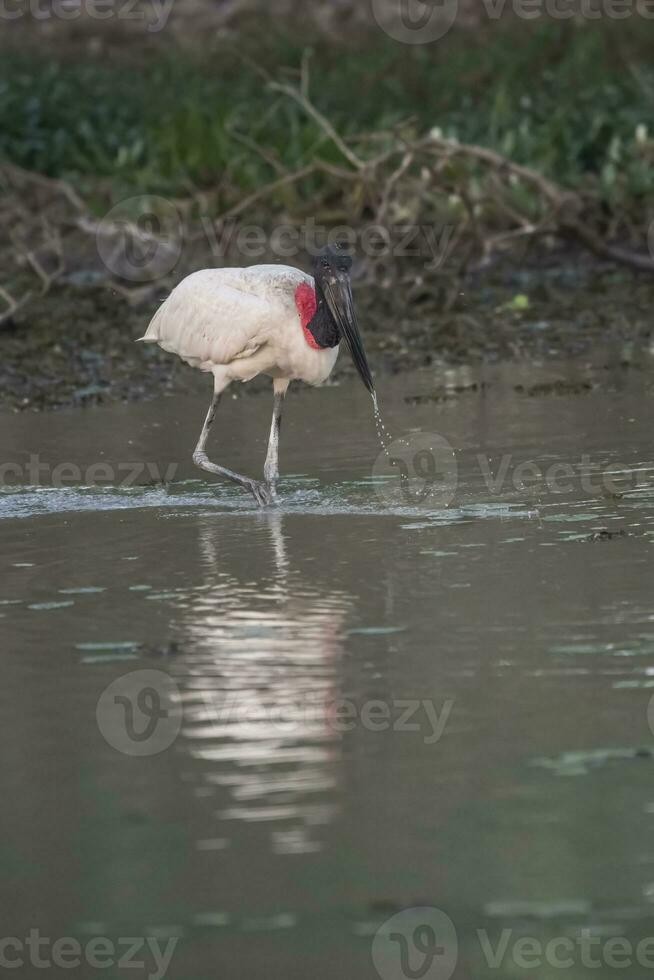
338, 294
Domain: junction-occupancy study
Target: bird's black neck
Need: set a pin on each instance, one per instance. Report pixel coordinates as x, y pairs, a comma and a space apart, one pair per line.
322, 326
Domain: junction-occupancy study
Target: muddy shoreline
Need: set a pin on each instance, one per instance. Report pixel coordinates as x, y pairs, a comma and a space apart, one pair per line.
75, 346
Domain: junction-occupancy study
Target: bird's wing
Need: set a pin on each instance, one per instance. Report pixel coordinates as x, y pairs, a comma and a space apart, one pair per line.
207, 320
217, 316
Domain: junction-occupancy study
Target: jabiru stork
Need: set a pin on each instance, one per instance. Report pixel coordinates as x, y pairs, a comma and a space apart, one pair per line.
265, 319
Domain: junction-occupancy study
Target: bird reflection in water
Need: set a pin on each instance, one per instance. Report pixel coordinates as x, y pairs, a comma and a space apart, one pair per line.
259, 686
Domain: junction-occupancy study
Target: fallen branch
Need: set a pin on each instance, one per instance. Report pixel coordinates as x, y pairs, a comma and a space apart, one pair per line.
565, 206
13, 304
488, 203
603, 250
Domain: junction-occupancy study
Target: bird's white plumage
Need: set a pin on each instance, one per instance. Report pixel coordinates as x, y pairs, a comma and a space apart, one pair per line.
238, 323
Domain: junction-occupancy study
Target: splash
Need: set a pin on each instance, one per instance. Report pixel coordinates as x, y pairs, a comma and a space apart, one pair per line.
349, 498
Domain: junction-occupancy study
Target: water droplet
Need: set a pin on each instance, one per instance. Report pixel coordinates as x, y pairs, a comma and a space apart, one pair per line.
382, 433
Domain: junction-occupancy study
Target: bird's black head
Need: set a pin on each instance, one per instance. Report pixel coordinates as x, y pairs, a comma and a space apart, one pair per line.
332, 260
332, 266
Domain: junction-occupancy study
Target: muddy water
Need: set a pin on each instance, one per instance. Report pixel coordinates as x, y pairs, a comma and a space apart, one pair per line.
383, 703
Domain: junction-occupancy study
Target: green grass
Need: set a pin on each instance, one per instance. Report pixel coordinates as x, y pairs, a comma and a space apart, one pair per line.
566, 100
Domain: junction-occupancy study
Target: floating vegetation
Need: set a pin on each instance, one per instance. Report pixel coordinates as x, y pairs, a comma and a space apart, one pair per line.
375, 630
83, 590
50, 605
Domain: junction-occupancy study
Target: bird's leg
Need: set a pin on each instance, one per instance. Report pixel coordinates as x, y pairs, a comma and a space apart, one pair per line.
271, 467
259, 491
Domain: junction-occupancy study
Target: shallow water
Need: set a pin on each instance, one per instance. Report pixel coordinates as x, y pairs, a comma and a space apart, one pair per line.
375, 702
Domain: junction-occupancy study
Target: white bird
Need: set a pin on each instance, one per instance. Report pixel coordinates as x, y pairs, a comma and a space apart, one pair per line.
266, 319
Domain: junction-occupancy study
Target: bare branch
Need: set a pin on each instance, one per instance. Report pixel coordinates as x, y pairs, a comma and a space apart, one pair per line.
265, 191
13, 305
318, 117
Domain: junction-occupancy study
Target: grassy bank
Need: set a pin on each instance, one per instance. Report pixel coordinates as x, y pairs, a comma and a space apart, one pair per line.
573, 102
206, 126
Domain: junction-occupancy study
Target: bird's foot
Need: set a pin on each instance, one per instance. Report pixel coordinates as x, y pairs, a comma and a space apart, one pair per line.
264, 493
